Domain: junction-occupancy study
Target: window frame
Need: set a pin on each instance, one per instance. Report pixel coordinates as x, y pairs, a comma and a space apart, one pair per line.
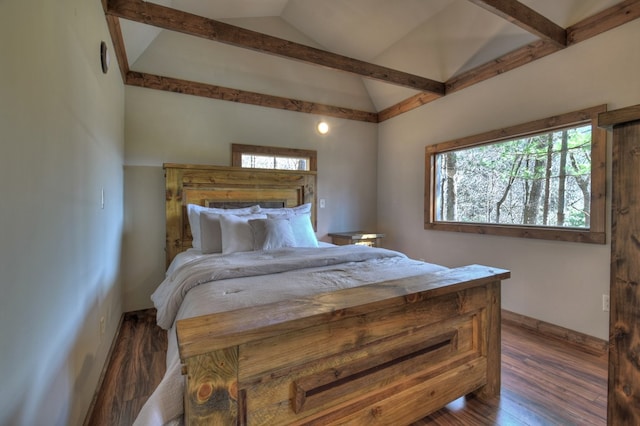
595, 234
238, 149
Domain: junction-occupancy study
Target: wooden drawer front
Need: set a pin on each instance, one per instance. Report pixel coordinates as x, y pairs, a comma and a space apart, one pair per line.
386, 366
331, 385
275, 400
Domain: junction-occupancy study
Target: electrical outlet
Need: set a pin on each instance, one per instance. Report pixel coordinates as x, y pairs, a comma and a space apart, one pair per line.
605, 302
323, 203
102, 325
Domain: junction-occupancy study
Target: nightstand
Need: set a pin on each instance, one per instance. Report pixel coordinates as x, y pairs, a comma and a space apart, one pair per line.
358, 238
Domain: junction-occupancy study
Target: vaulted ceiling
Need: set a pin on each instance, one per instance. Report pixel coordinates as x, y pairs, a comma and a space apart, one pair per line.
366, 60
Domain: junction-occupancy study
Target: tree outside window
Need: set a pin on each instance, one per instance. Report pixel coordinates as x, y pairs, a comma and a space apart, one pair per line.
547, 182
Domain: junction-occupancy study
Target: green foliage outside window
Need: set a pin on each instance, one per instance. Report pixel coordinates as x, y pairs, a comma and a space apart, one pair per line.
542, 180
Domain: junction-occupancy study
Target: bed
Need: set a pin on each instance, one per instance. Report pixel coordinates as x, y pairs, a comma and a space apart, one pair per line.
290, 330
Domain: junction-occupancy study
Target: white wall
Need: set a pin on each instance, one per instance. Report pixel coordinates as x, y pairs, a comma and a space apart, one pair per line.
164, 127
561, 283
61, 142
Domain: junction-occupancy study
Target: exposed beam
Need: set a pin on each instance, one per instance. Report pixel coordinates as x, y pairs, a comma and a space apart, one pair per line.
606, 20
407, 105
222, 93
118, 44
619, 116
187, 23
526, 18
511, 60
175, 85
610, 18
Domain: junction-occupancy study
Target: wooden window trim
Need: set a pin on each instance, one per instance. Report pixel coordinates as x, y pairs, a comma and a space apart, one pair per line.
596, 234
238, 149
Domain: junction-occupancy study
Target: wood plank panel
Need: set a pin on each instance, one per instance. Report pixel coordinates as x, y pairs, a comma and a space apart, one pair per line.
216, 331
387, 335
211, 396
189, 183
488, 327
310, 391
400, 405
338, 378
624, 333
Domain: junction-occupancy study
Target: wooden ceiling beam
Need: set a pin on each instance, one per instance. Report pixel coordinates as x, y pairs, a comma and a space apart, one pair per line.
527, 19
406, 105
187, 23
169, 84
606, 20
132, 78
118, 44
610, 18
512, 60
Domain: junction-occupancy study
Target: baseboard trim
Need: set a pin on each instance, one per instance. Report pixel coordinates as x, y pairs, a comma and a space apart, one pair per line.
585, 342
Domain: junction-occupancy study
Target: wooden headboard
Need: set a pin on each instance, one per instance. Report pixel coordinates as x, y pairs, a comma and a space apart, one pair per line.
228, 186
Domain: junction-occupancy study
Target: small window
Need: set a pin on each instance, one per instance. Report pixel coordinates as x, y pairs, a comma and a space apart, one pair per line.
267, 157
544, 179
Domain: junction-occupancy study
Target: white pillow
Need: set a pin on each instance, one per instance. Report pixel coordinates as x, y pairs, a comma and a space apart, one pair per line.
193, 213
259, 231
279, 234
270, 234
236, 232
303, 230
288, 211
210, 232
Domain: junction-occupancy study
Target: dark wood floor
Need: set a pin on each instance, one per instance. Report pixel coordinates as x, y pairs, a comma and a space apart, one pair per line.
544, 381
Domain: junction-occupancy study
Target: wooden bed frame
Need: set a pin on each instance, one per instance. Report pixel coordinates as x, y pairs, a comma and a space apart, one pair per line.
386, 353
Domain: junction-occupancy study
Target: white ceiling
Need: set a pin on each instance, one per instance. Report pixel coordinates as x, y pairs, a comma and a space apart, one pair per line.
436, 39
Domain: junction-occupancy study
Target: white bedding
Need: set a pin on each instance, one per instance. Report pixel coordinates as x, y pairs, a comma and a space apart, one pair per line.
199, 284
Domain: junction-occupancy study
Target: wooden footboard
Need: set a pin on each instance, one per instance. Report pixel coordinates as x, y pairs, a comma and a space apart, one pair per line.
390, 352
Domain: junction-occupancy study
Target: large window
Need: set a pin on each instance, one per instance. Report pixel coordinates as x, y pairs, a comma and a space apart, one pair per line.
544, 179
269, 157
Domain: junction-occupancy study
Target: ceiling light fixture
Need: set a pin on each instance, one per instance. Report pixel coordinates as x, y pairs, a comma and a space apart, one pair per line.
323, 127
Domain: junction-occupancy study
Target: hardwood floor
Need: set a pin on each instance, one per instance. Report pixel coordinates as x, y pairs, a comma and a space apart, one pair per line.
544, 381
136, 367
